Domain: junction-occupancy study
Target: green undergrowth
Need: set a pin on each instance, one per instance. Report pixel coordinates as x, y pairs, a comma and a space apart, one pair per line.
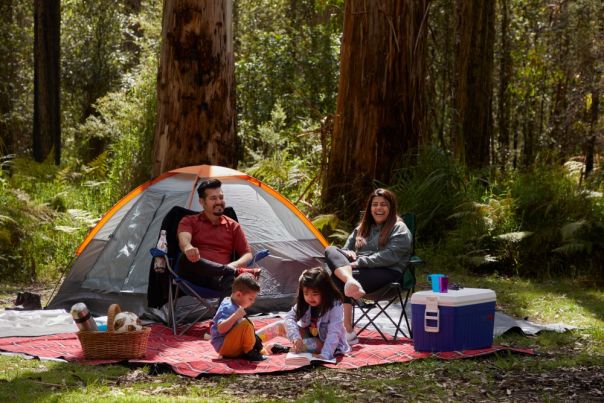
539, 222
45, 212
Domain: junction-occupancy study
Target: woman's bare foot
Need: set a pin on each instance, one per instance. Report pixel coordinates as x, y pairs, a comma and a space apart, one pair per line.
354, 289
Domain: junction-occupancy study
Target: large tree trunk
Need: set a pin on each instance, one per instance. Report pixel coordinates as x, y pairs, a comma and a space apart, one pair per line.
8, 73
473, 122
505, 74
47, 116
380, 112
196, 86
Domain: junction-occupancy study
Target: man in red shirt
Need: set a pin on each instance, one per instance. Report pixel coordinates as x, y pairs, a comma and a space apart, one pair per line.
208, 240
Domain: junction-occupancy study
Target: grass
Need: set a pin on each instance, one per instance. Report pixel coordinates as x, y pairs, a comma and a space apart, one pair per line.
567, 364
34, 380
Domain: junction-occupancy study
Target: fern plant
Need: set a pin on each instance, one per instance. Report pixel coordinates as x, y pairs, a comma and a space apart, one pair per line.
433, 189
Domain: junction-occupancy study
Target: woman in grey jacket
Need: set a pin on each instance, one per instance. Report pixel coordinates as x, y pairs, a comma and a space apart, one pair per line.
375, 254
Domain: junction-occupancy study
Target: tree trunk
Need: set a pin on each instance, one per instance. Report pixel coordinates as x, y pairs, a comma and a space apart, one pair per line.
528, 135
472, 122
593, 121
505, 74
8, 73
196, 86
47, 116
380, 111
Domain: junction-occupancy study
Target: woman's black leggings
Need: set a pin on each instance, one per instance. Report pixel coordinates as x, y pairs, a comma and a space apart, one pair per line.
372, 279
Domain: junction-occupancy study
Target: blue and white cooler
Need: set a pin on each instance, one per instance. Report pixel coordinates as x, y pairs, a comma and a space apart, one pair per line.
452, 321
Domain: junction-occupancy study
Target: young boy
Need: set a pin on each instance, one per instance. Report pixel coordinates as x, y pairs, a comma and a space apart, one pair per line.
233, 335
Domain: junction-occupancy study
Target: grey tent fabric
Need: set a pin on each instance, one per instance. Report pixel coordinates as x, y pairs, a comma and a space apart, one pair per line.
113, 267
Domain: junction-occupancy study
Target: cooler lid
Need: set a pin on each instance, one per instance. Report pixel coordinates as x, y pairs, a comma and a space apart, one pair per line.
465, 296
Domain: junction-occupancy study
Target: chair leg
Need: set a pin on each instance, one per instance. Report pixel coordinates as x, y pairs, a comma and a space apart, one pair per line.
365, 313
173, 297
200, 302
370, 322
192, 322
404, 308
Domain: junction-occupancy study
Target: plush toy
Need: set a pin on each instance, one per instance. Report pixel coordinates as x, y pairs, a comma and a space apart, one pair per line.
126, 322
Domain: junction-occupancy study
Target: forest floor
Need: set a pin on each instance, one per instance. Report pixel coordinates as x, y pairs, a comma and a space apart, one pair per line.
568, 366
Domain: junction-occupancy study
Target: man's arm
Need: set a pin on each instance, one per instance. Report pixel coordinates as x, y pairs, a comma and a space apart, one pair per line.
184, 242
242, 261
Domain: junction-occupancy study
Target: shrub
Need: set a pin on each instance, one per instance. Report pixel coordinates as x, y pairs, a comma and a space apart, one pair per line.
546, 202
44, 214
540, 225
537, 223
433, 189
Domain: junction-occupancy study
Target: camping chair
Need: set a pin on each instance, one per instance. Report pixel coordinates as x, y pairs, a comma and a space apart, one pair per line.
391, 293
178, 286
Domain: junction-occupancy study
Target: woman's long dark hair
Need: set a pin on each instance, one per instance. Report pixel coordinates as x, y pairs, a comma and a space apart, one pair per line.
320, 280
367, 220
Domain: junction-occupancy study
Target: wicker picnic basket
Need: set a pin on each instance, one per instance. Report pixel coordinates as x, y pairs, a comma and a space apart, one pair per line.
111, 345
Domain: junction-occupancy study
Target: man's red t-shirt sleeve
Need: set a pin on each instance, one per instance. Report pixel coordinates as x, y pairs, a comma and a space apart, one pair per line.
185, 225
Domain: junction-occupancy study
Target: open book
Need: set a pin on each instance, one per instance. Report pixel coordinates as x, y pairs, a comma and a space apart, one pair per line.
304, 359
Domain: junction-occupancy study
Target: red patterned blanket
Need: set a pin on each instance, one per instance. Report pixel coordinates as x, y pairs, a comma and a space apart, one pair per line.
192, 356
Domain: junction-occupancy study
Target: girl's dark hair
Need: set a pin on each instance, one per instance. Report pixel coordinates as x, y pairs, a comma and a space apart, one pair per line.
319, 280
367, 220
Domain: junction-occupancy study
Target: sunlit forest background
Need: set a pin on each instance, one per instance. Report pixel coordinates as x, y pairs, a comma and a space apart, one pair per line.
532, 208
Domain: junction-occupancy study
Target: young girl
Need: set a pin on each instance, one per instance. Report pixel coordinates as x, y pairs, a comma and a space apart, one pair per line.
316, 323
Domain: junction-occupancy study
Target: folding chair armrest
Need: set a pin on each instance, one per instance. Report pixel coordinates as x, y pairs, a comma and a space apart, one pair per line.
261, 254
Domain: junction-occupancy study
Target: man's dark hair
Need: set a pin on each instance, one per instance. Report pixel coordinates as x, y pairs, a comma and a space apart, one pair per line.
246, 283
207, 184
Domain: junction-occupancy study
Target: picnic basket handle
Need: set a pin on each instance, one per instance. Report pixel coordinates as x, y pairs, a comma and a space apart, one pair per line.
113, 310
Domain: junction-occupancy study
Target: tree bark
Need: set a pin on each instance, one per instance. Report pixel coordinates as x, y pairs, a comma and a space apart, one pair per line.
472, 121
8, 73
196, 86
593, 121
505, 74
47, 115
380, 110
529, 141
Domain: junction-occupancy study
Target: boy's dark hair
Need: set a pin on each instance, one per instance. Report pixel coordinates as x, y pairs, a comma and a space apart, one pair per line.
207, 184
320, 280
246, 283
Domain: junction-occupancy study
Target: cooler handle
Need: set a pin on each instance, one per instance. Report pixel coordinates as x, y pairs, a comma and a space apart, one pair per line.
431, 315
